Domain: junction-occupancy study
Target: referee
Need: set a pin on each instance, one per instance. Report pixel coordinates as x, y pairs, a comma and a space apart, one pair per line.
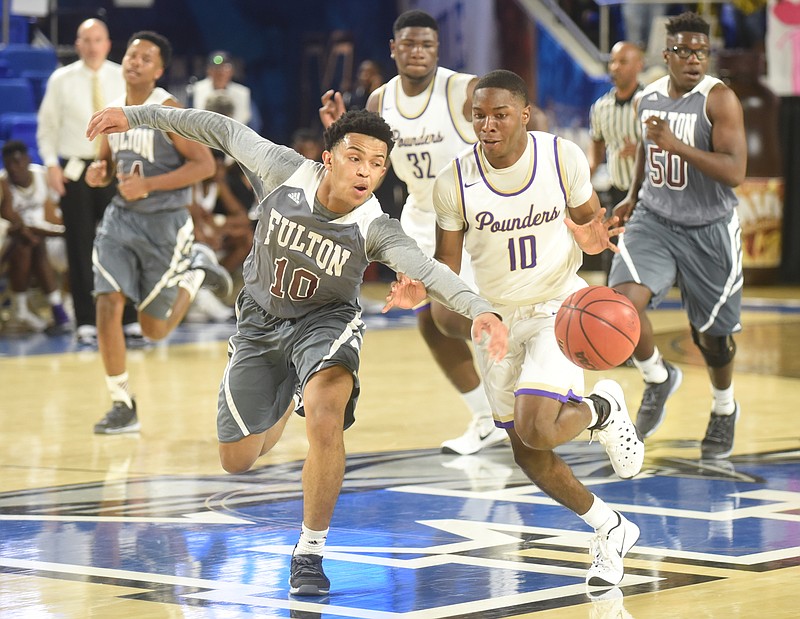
613, 125
614, 128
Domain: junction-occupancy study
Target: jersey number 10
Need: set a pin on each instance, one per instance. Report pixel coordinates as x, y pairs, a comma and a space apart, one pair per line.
522, 252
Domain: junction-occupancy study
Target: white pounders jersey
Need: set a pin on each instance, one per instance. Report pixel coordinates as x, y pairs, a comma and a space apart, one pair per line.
513, 218
430, 129
29, 201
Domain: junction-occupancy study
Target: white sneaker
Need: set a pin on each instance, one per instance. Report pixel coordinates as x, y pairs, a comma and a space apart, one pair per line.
619, 436
31, 321
607, 552
208, 308
480, 434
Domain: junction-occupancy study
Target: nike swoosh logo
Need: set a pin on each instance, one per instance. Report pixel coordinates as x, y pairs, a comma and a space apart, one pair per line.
468, 185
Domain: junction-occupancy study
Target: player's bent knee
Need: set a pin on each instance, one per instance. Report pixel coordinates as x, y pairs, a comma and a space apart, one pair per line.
238, 457
717, 350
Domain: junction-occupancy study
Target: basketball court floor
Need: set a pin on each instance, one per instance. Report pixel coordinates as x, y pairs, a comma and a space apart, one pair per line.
149, 526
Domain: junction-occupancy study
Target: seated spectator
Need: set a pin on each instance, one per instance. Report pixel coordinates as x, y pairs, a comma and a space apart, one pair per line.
29, 205
219, 77
308, 143
369, 77
219, 210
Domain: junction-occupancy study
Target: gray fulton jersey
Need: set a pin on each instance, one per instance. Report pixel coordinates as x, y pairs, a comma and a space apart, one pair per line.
152, 153
305, 256
672, 188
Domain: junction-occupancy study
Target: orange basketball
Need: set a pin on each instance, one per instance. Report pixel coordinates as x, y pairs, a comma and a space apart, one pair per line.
597, 328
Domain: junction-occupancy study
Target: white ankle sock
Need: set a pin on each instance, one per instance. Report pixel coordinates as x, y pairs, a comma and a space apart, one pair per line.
723, 403
600, 516
477, 402
19, 303
54, 298
653, 369
118, 388
590, 403
311, 542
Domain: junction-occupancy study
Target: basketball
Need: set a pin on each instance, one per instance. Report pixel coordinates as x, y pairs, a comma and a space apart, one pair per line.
597, 328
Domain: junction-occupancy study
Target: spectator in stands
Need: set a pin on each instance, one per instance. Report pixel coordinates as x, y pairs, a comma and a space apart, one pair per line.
74, 92
370, 76
308, 143
219, 77
30, 206
638, 19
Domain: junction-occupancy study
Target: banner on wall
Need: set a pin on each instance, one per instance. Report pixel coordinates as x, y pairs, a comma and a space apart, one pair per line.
783, 47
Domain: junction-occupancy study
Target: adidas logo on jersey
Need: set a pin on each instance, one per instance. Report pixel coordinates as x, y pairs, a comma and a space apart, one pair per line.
295, 196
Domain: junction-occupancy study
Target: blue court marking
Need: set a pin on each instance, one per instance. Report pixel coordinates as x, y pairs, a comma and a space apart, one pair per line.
412, 535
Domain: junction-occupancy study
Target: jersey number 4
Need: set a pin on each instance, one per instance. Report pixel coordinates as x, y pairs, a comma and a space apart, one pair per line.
666, 168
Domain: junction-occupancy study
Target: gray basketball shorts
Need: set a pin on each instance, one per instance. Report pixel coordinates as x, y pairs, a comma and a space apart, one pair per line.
705, 262
271, 359
143, 256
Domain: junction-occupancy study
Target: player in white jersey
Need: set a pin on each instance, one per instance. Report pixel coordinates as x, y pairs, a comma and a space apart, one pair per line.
428, 106
144, 247
522, 205
28, 203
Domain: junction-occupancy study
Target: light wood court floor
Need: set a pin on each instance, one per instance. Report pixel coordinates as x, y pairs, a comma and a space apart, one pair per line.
148, 525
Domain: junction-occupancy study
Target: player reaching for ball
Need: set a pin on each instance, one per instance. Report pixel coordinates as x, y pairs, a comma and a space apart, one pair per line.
522, 205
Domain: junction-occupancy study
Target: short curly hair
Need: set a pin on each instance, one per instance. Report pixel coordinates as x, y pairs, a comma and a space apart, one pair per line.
687, 22
359, 121
159, 40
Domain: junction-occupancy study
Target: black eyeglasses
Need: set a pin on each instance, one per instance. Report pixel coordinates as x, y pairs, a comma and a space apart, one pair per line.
683, 52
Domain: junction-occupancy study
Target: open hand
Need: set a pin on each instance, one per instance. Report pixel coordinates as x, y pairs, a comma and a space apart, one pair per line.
595, 235
405, 293
490, 325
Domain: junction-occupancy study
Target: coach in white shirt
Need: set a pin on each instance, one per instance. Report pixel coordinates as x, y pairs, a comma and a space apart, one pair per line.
74, 92
219, 72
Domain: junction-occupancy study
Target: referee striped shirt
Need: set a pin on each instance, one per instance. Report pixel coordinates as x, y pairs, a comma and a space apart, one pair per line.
613, 121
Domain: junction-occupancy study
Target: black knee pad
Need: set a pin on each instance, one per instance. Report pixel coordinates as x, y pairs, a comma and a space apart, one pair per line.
719, 353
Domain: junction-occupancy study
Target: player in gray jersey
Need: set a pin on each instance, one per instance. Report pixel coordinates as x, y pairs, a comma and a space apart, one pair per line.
299, 329
684, 229
144, 249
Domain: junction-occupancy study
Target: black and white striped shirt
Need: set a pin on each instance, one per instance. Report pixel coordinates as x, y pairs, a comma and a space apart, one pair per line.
613, 121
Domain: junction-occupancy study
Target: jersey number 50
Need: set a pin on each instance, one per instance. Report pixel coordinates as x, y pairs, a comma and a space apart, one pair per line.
666, 168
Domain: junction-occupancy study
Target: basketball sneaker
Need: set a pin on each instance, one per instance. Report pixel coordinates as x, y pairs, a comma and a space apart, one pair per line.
607, 551
28, 321
654, 400
615, 430
217, 279
718, 441
306, 576
481, 433
118, 420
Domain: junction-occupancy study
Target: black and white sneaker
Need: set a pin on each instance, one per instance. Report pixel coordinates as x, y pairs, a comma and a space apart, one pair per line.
654, 401
718, 441
120, 419
607, 552
306, 576
217, 279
